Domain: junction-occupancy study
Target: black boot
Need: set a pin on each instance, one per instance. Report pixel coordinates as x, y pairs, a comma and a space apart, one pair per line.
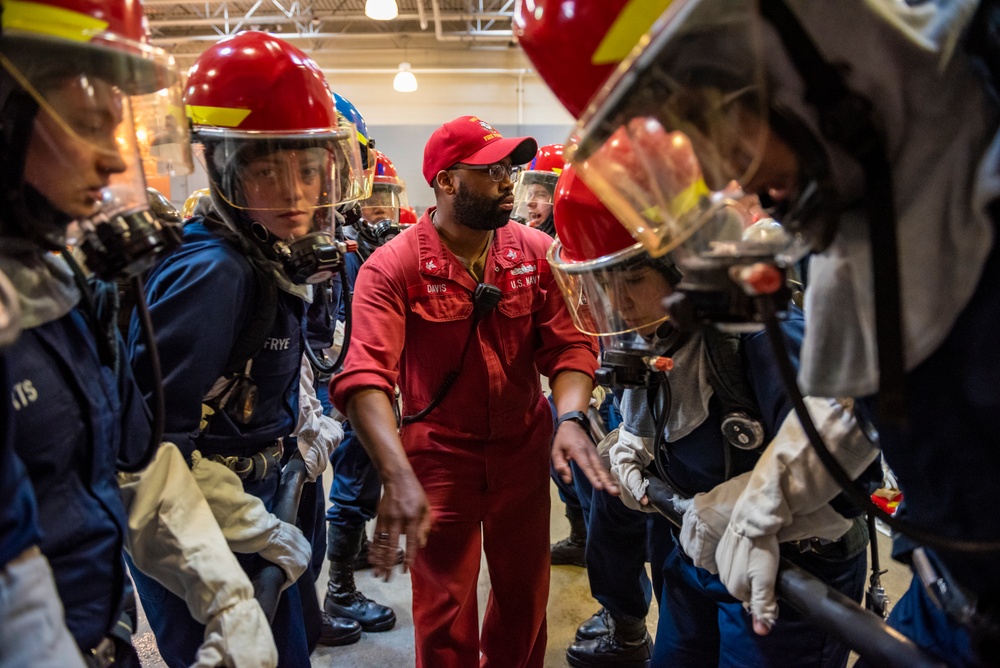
342, 596
596, 626
570, 551
336, 631
627, 645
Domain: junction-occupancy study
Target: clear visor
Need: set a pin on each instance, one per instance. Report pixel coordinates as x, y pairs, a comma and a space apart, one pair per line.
618, 297
92, 140
533, 197
265, 170
289, 182
384, 204
681, 133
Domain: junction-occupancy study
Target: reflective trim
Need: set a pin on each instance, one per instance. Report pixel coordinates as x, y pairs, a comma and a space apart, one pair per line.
225, 117
52, 21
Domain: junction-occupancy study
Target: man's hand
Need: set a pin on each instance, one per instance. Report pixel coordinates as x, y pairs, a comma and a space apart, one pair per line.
573, 443
403, 510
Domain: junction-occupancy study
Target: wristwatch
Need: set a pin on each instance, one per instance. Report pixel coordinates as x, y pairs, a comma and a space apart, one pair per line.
575, 416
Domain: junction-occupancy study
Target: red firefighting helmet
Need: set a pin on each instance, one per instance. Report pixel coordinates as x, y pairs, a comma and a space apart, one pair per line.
407, 216
599, 267
253, 82
584, 226
385, 171
549, 158
253, 94
575, 45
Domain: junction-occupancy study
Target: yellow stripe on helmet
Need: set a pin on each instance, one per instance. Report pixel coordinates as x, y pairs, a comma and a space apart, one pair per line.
223, 117
633, 21
40, 19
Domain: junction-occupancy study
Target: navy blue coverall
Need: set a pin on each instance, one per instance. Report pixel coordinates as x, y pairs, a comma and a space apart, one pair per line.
201, 298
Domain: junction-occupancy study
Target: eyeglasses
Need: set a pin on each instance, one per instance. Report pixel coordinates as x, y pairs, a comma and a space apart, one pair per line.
497, 170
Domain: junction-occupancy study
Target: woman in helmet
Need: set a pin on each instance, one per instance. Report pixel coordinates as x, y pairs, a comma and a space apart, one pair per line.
229, 305
704, 424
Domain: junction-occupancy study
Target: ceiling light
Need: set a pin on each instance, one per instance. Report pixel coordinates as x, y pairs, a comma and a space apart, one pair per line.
404, 82
381, 10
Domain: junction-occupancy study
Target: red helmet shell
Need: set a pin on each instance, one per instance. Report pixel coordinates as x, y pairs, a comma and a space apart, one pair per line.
548, 159
576, 45
584, 226
407, 216
253, 81
109, 22
385, 171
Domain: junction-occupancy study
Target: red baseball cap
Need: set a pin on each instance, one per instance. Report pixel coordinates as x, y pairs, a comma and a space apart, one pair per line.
472, 141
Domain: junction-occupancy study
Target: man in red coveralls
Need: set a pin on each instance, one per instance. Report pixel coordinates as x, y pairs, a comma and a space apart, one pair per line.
472, 472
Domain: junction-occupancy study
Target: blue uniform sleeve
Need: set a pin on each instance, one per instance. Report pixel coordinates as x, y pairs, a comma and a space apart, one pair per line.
198, 298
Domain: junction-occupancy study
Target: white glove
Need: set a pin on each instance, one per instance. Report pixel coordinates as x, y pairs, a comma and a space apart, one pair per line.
789, 482
749, 566
629, 455
707, 519
174, 538
318, 435
238, 637
245, 522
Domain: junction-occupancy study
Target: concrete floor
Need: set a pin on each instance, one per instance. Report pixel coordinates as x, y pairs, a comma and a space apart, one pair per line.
569, 604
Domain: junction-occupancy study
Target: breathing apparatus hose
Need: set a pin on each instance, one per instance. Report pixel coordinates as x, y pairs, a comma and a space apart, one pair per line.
158, 404
331, 367
860, 499
109, 356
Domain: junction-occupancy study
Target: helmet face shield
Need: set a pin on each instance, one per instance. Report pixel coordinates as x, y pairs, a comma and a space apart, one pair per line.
286, 181
533, 196
384, 204
682, 132
103, 118
618, 297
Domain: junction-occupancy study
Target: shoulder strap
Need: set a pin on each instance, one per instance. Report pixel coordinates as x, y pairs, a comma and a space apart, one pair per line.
727, 373
254, 332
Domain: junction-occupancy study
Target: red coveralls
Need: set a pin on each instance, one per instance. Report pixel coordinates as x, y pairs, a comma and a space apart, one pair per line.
481, 455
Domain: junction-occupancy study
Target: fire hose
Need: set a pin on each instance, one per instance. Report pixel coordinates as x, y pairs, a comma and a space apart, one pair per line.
268, 582
822, 606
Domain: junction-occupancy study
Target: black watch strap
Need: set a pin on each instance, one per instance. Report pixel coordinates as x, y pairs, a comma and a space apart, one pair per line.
574, 416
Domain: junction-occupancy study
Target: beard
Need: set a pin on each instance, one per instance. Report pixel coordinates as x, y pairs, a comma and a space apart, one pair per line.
479, 212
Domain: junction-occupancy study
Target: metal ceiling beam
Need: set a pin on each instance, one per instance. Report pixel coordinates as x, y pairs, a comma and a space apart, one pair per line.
271, 19
473, 36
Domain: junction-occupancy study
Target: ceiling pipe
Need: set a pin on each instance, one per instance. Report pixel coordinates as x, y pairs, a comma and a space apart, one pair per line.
421, 15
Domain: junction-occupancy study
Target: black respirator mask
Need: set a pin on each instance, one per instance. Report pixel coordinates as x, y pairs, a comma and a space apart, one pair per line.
309, 259
127, 243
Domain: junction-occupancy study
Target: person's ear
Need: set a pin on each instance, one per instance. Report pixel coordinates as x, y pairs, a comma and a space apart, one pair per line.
446, 182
